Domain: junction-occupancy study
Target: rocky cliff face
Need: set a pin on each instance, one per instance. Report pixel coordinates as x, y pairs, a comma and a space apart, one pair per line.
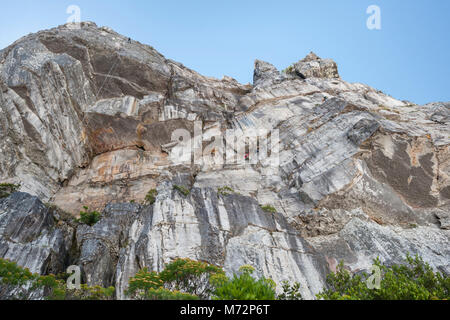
87, 118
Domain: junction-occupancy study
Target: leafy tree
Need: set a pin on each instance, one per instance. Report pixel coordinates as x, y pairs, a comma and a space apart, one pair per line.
185, 278
147, 285
190, 276
244, 287
290, 291
144, 281
413, 280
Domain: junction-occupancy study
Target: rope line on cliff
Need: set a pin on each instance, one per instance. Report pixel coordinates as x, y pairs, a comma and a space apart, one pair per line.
107, 76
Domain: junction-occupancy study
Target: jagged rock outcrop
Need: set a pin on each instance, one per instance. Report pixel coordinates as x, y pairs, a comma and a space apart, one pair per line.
87, 118
265, 74
313, 66
62, 88
100, 245
33, 234
37, 237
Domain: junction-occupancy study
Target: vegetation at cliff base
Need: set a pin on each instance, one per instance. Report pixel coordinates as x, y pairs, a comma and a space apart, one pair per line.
413, 280
244, 286
54, 287
186, 279
290, 291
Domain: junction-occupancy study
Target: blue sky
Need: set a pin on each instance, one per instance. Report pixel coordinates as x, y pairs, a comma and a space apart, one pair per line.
409, 58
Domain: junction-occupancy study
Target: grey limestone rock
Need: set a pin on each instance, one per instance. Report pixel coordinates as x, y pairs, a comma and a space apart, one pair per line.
87, 117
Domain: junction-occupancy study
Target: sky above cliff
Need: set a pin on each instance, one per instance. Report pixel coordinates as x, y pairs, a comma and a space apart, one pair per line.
406, 55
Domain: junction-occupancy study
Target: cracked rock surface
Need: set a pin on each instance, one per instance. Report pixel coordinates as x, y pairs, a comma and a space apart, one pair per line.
87, 117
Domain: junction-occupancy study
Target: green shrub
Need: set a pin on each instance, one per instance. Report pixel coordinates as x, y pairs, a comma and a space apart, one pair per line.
269, 208
150, 198
244, 287
165, 294
91, 293
17, 277
182, 190
89, 217
225, 191
290, 292
6, 189
54, 287
413, 280
183, 279
12, 274
59, 291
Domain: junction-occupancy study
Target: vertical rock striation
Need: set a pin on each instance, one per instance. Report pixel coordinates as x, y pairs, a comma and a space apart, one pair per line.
87, 117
